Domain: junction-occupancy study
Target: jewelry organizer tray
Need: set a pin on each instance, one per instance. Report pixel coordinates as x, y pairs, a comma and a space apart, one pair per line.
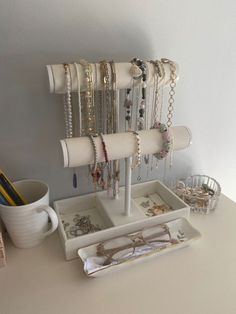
118, 253
85, 220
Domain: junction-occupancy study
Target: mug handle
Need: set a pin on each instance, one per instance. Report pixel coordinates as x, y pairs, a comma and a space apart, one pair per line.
53, 217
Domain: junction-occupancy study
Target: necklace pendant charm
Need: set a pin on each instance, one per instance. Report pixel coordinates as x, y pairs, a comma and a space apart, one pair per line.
75, 182
135, 72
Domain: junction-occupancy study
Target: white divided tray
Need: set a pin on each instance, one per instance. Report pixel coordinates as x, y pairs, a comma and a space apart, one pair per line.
88, 219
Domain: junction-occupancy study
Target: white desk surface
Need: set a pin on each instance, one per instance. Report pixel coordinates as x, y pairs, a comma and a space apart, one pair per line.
200, 279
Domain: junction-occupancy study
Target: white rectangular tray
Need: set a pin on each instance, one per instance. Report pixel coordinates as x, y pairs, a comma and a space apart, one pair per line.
105, 216
95, 264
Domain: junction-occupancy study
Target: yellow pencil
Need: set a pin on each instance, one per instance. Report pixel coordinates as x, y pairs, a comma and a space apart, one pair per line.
7, 197
19, 199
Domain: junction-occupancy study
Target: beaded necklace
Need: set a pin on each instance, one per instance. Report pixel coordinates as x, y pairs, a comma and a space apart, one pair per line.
142, 78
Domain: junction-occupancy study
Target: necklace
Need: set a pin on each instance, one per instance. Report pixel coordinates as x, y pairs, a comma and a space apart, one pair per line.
128, 107
142, 78
105, 79
115, 128
68, 112
89, 113
173, 77
98, 104
158, 76
114, 125
79, 100
67, 103
171, 100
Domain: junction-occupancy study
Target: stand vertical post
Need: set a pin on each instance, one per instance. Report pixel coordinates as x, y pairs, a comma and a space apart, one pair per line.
117, 114
128, 163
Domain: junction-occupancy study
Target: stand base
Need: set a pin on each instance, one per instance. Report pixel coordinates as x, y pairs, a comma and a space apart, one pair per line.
114, 209
96, 217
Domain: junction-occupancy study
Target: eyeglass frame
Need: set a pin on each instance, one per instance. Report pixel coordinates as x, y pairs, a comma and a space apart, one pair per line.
109, 253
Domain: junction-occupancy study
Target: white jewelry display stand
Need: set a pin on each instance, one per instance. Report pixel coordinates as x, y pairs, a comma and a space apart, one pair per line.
79, 151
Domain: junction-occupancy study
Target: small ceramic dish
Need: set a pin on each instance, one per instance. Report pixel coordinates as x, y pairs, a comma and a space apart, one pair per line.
120, 252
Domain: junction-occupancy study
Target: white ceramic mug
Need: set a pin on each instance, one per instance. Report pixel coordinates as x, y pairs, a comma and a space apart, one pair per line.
28, 225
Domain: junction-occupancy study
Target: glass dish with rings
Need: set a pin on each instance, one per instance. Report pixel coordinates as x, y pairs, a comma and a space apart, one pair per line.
200, 192
123, 251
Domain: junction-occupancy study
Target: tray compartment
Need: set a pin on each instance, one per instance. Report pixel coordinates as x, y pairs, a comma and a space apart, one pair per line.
148, 194
80, 220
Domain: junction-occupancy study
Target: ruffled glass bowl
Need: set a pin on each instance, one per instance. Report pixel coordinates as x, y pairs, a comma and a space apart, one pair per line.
200, 192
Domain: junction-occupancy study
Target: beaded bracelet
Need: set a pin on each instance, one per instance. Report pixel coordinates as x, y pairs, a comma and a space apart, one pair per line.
166, 140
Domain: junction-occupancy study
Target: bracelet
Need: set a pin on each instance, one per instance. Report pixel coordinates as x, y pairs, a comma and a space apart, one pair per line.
108, 164
94, 168
166, 140
104, 148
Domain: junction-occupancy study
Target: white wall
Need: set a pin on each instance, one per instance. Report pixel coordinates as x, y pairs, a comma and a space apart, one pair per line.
199, 35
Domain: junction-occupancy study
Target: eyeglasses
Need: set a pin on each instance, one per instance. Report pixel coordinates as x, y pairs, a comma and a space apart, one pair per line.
137, 244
